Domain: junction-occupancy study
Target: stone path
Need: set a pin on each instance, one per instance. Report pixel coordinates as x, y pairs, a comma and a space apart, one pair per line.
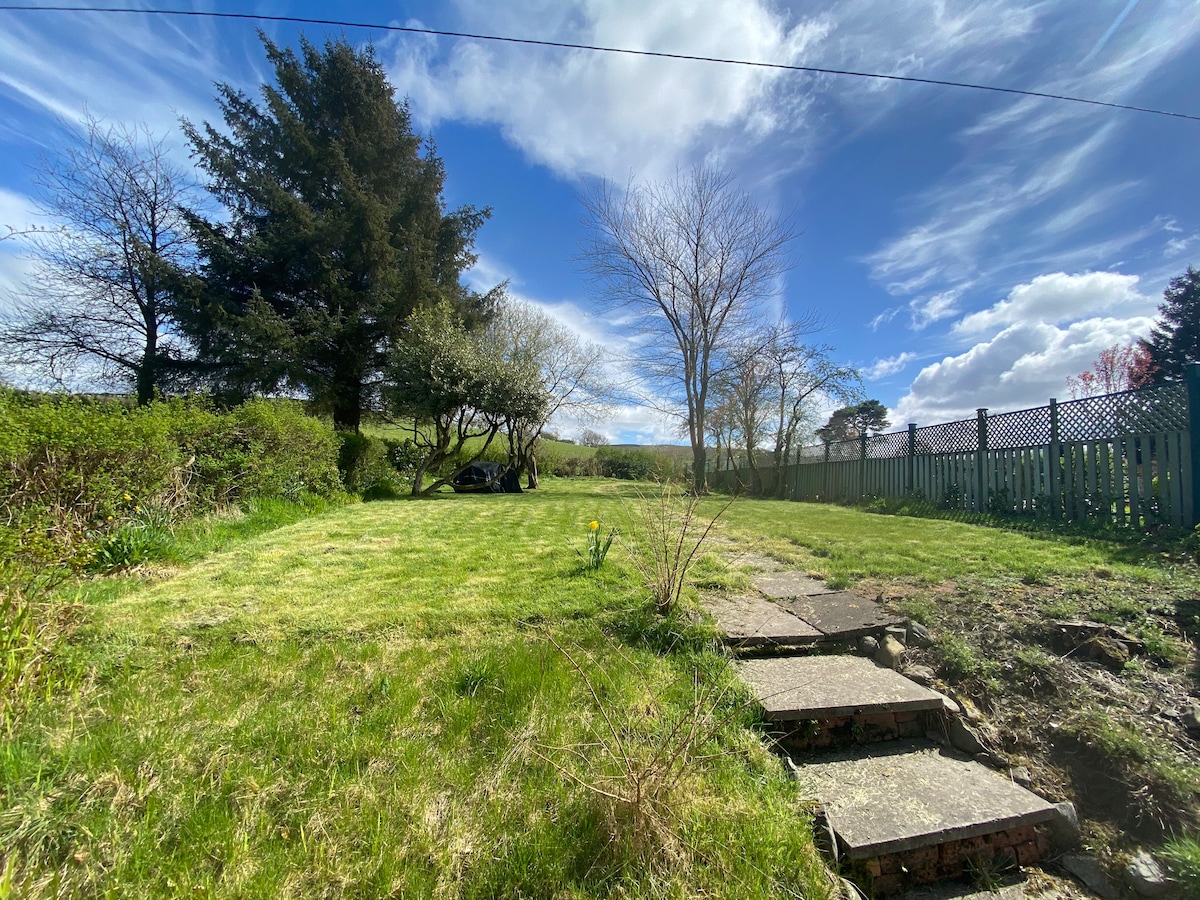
904, 798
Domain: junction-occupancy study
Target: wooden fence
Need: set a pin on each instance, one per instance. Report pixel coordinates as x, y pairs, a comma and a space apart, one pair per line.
1123, 459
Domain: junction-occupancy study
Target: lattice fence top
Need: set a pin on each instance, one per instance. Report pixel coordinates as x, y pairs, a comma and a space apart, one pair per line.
1152, 410
1022, 428
1148, 411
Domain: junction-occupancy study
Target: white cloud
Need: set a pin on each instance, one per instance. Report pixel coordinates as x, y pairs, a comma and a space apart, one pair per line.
581, 112
884, 317
17, 211
882, 368
1059, 297
584, 112
626, 425
1023, 366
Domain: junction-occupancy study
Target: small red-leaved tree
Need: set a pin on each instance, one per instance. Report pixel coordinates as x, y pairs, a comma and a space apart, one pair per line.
1116, 369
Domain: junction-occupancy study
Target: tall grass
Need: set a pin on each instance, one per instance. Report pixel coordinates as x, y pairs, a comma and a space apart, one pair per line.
35, 627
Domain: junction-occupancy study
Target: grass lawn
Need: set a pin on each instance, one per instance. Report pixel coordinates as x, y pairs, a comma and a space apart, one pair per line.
384, 700
434, 699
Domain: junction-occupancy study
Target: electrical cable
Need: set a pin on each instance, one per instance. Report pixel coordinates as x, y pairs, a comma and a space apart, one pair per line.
408, 29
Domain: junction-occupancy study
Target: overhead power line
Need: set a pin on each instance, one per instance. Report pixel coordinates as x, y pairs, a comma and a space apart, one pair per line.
566, 45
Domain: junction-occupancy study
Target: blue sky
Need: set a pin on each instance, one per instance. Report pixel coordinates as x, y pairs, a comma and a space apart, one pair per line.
966, 249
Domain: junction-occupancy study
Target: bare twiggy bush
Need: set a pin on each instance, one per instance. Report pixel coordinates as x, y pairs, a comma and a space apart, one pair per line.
665, 538
639, 761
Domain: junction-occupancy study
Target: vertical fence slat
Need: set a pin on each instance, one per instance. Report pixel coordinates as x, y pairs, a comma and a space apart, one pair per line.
1106, 482
1148, 514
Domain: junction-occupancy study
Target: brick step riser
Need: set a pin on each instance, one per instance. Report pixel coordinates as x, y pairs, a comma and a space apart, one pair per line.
995, 853
838, 732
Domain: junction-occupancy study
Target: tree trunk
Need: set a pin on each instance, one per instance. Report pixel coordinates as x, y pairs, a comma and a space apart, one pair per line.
699, 470
531, 473
347, 408
146, 372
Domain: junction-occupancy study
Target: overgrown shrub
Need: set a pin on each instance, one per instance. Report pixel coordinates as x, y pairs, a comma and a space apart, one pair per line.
664, 539
404, 456
362, 461
629, 463
74, 471
569, 466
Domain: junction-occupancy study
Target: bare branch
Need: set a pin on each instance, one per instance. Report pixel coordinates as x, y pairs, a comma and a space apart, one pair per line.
689, 262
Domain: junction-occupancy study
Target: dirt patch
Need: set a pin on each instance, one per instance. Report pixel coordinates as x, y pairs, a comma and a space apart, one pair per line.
1083, 726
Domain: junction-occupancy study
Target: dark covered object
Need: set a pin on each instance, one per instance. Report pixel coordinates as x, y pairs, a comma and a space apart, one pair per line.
487, 478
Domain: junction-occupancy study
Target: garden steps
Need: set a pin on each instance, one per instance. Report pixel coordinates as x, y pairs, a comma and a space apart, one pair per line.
899, 806
800, 613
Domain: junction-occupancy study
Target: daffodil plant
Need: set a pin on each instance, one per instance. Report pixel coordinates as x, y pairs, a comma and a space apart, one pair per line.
597, 547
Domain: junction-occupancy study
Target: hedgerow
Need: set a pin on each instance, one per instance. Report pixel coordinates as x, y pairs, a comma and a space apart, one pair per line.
74, 471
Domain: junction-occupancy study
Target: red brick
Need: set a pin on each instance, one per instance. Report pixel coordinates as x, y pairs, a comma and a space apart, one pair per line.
1022, 834
878, 720
973, 846
951, 855
920, 859
890, 864
1028, 853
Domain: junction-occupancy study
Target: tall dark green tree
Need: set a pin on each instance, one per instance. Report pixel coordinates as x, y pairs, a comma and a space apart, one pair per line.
849, 422
1175, 339
335, 232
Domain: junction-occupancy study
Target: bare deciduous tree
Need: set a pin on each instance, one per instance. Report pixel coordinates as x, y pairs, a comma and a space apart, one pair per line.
590, 438
571, 369
690, 261
103, 279
773, 379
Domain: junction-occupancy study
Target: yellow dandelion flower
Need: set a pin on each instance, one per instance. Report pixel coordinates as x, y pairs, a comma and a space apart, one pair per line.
594, 526
108, 519
128, 497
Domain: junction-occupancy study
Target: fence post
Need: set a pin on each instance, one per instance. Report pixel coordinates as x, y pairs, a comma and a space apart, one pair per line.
911, 485
1054, 462
862, 465
1193, 396
826, 476
981, 479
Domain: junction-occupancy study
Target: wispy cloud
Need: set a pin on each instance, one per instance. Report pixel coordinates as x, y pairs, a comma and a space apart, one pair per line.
585, 113
1112, 29
882, 368
126, 68
1034, 176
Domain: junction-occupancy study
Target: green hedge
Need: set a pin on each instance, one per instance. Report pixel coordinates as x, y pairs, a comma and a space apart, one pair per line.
73, 470
636, 464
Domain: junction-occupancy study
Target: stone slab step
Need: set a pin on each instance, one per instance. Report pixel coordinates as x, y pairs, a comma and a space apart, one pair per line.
752, 622
843, 616
909, 795
788, 584
821, 687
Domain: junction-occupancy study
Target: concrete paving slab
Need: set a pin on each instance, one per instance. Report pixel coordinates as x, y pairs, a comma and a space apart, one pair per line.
843, 615
957, 891
751, 621
910, 794
787, 585
821, 687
